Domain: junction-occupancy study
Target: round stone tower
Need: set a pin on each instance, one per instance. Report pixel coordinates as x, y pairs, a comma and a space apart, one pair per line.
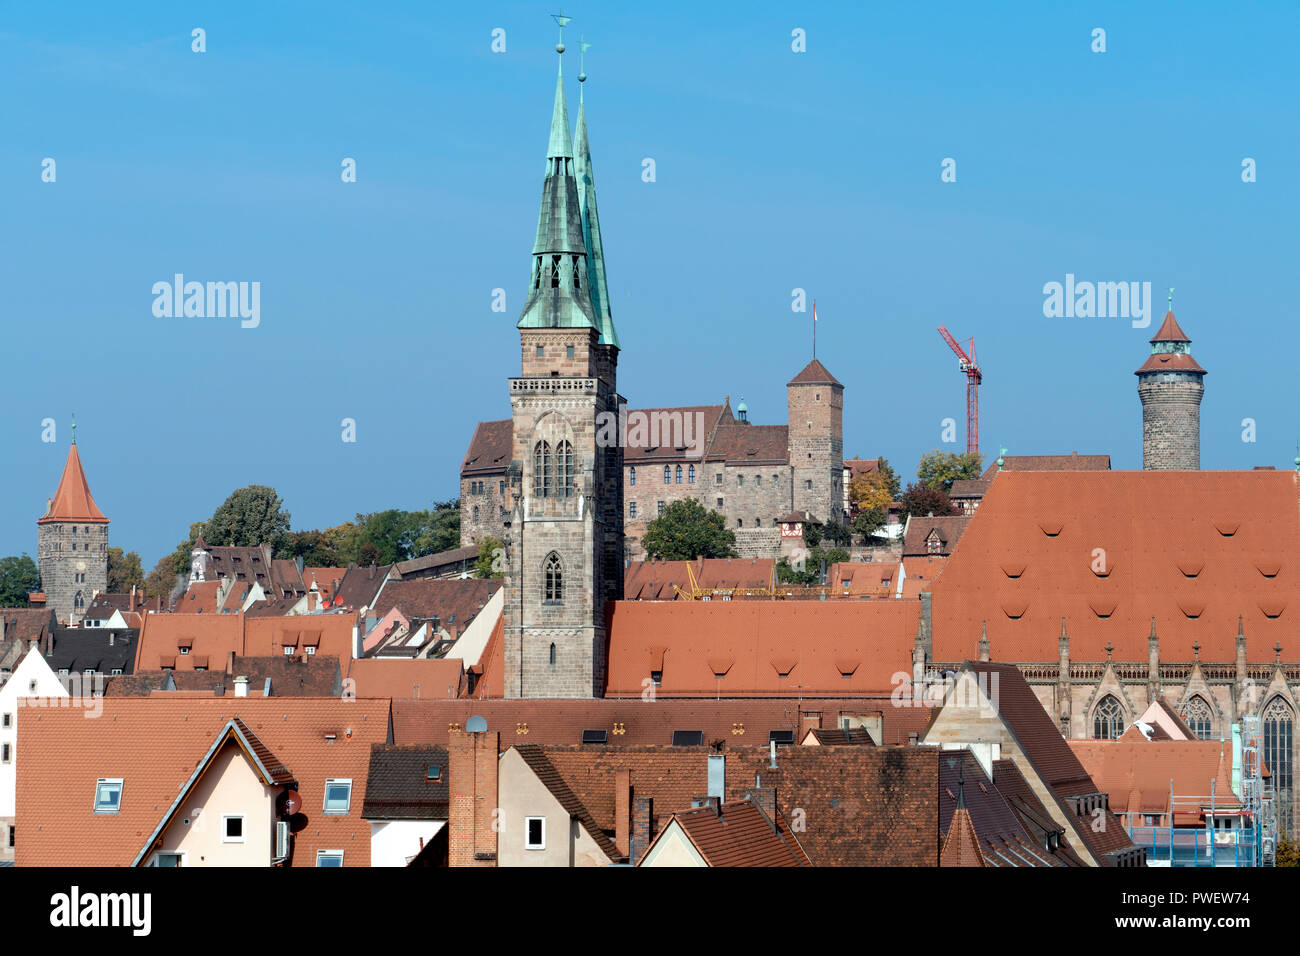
1170, 385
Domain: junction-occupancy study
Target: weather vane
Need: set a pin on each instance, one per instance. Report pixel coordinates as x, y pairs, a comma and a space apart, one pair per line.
583, 47
561, 21
1171, 298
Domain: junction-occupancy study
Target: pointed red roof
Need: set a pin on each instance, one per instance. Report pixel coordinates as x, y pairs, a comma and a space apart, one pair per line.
1169, 330
72, 502
814, 373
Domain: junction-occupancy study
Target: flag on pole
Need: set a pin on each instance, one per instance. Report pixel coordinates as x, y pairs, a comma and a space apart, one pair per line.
814, 328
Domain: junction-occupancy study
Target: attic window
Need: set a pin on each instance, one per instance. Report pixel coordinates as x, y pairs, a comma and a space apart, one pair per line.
108, 795
1226, 526
595, 736
434, 772
780, 737
657, 677
688, 738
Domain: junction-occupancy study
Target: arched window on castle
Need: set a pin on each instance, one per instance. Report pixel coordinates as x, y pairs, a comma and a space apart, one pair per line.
679, 474
668, 475
631, 476
543, 470
1279, 736
1108, 719
552, 580
564, 470
690, 475
1199, 717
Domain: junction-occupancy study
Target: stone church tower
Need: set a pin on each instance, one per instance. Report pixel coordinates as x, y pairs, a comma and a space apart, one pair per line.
1170, 385
72, 545
564, 534
815, 404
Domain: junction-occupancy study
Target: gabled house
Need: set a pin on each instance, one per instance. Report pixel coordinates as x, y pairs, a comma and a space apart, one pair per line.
726, 834
32, 678
407, 801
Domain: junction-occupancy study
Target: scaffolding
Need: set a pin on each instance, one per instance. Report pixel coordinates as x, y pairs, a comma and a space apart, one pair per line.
1218, 843
772, 591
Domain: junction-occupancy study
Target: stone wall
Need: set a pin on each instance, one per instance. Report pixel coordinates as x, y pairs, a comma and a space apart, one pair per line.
73, 559
816, 426
1171, 422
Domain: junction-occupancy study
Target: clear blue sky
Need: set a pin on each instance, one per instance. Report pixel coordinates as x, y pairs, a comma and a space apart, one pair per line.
775, 170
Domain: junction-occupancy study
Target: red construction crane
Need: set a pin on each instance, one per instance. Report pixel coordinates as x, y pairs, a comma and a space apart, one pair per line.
973, 378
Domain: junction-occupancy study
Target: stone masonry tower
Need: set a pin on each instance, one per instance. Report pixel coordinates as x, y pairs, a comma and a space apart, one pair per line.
1170, 385
564, 536
815, 402
72, 544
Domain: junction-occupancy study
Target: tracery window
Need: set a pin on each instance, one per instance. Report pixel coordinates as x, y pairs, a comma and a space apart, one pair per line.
1199, 717
552, 579
1108, 719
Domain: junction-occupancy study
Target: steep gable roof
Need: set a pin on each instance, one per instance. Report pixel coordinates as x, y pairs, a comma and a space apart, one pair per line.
73, 501
739, 834
399, 785
537, 761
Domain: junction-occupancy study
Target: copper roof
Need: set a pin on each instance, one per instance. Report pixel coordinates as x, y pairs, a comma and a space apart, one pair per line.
73, 502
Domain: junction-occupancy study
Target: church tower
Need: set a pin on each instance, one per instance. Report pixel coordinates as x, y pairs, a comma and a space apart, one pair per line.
564, 536
1170, 385
72, 544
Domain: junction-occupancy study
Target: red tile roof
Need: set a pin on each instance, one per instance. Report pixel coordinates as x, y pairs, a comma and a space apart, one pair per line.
400, 678
489, 449
655, 580
1138, 774
1071, 462
740, 834
949, 528
73, 501
1169, 330
814, 373
1170, 362
155, 744
215, 636
1193, 550
760, 648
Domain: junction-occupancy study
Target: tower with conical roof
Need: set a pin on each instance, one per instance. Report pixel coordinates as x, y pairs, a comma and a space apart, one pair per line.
1170, 385
72, 544
564, 533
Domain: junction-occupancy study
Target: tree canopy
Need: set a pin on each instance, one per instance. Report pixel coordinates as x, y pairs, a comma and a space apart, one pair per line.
920, 500
250, 516
688, 530
939, 469
19, 577
124, 571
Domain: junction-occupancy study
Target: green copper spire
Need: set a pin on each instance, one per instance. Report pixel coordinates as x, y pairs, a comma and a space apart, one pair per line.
599, 288
558, 294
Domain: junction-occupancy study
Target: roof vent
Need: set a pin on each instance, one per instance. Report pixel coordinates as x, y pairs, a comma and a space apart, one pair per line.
1051, 527
784, 665
1272, 608
1226, 526
1013, 569
1015, 608
1191, 567
1102, 607
719, 666
1269, 567
1192, 609
846, 666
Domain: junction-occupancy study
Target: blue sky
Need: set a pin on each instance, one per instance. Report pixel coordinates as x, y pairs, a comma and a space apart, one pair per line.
775, 170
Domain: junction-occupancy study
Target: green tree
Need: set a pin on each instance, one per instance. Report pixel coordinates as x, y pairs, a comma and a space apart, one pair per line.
1288, 852
124, 571
920, 500
250, 516
812, 534
314, 547
19, 577
435, 531
162, 580
939, 469
869, 521
837, 533
811, 569
491, 558
687, 530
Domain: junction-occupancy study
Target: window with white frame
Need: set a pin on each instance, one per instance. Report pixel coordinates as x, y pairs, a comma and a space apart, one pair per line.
535, 833
329, 857
5, 754
338, 795
108, 795
232, 828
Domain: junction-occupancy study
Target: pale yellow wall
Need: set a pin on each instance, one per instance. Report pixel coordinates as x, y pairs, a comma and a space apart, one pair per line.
673, 849
521, 795
230, 786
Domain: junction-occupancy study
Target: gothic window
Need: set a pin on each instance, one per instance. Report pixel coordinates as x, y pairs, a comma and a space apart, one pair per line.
631, 476
577, 280
552, 580
631, 509
564, 470
555, 271
78, 601
542, 470
1199, 717
668, 475
537, 276
690, 475
758, 479
552, 655
679, 474
1107, 719
1279, 728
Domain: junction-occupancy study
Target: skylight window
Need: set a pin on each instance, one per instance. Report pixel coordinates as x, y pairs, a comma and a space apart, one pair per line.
108, 795
338, 796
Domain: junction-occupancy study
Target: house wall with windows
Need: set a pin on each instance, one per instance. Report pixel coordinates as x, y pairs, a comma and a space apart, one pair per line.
231, 788
522, 796
31, 678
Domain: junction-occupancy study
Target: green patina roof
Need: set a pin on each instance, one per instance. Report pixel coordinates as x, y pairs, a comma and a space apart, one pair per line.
591, 235
559, 232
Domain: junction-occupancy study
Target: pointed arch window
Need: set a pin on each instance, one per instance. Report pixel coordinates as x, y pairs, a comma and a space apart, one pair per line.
555, 271
690, 475
564, 470
577, 278
668, 475
543, 470
631, 476
679, 474
78, 601
1279, 736
1199, 717
537, 274
552, 655
1108, 719
552, 579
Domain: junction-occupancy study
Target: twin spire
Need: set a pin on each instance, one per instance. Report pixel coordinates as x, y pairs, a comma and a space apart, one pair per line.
567, 286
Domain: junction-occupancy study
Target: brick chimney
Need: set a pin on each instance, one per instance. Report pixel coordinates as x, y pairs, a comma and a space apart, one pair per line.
642, 814
622, 810
472, 762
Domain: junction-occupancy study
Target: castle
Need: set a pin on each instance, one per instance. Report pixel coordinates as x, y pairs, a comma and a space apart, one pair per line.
72, 544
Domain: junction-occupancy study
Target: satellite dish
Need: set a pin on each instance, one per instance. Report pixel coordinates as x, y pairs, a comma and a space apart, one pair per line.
292, 802
475, 725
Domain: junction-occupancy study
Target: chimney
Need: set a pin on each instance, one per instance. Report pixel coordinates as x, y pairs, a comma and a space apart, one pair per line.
641, 817
472, 760
622, 810
911, 739
111, 635
718, 776
241, 686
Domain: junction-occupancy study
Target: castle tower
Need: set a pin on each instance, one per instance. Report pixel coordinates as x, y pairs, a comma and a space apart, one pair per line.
1170, 385
815, 402
72, 544
564, 538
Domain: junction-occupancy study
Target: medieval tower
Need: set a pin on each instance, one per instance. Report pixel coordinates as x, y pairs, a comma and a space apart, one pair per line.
815, 403
1170, 385
72, 544
564, 533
